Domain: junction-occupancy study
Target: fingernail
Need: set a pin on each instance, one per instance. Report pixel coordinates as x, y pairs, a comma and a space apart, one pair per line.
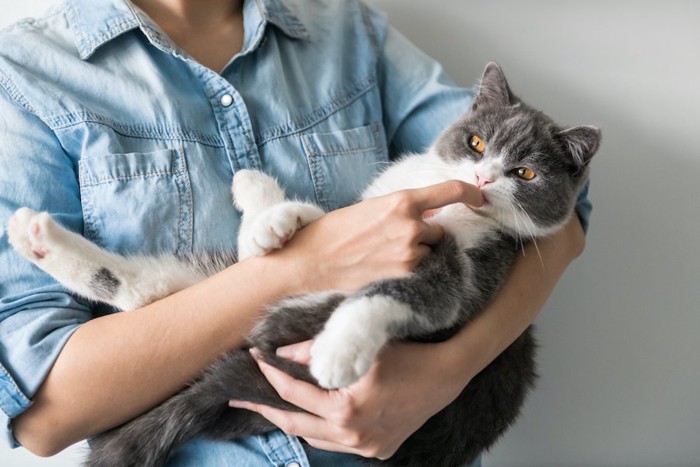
255, 352
286, 352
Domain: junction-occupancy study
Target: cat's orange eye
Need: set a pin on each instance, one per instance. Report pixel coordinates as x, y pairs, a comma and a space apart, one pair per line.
525, 173
477, 144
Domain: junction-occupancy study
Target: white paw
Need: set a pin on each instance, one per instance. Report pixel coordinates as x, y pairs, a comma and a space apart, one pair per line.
353, 337
31, 233
254, 191
339, 359
270, 230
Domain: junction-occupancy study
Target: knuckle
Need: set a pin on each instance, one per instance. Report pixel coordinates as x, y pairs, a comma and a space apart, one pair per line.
402, 200
414, 229
355, 439
287, 425
345, 415
383, 454
408, 262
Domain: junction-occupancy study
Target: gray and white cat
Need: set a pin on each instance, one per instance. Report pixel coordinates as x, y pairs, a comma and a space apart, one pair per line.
529, 170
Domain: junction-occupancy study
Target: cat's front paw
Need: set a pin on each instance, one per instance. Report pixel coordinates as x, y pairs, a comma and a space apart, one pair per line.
30, 233
269, 231
274, 227
254, 191
339, 358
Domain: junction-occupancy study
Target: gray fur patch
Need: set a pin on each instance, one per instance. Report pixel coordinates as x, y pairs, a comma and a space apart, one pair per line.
105, 283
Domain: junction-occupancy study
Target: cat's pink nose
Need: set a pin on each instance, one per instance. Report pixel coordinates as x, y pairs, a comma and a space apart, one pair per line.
481, 181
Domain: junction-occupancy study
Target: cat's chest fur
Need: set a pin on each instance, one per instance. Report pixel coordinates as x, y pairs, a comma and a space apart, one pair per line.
421, 170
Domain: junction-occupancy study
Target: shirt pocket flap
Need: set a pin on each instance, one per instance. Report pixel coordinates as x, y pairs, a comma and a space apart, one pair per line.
113, 167
361, 139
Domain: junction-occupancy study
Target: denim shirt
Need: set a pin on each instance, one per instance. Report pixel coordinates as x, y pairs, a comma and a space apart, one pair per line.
124, 138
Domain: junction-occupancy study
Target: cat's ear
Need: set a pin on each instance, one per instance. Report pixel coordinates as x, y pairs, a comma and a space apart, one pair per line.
581, 142
493, 89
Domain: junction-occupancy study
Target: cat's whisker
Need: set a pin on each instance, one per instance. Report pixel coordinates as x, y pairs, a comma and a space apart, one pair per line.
530, 227
519, 237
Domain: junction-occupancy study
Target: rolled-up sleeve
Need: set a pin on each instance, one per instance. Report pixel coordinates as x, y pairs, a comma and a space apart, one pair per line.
37, 316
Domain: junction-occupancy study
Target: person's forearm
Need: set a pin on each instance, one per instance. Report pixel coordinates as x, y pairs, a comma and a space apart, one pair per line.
115, 367
518, 303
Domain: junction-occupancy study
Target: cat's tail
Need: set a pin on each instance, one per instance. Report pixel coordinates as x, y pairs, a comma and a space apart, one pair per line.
146, 441
199, 411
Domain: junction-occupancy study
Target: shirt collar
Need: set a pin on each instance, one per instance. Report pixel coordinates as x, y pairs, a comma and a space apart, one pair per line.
96, 22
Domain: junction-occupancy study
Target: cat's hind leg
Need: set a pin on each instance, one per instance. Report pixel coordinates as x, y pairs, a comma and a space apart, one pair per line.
423, 305
353, 337
88, 270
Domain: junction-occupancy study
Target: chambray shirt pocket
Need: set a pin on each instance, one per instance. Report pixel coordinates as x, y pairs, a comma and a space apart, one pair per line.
137, 202
343, 162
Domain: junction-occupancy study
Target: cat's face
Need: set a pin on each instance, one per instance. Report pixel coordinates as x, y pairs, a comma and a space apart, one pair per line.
528, 168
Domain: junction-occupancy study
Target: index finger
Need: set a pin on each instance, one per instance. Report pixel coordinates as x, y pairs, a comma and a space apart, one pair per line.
449, 192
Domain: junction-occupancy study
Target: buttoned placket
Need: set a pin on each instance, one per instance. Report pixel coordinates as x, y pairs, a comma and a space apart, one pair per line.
235, 128
232, 118
229, 109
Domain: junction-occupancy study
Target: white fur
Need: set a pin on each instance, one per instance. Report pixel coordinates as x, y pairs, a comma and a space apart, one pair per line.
467, 225
353, 336
73, 261
310, 300
268, 220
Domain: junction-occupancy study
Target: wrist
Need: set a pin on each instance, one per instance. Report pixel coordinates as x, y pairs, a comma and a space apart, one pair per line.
285, 273
455, 358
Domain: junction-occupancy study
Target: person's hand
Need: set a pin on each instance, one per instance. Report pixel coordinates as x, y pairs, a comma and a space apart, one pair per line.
374, 416
378, 238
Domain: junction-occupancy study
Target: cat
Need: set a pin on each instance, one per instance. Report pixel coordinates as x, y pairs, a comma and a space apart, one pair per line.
530, 171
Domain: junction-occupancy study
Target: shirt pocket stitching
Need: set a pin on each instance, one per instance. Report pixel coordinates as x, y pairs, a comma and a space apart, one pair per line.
173, 157
325, 146
369, 132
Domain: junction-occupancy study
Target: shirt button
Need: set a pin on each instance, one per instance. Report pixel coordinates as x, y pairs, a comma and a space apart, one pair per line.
226, 100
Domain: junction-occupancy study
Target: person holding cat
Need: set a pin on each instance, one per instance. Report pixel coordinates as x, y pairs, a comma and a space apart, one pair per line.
128, 123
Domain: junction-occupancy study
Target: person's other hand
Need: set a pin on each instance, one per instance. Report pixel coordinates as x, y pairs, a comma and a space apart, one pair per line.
374, 416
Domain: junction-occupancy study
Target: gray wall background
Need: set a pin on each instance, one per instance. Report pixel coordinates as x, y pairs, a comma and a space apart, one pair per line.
620, 345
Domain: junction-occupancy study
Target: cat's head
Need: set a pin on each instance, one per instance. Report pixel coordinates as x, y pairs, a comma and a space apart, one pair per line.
530, 170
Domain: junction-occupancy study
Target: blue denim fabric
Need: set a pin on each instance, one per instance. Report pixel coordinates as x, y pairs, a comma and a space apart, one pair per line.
279, 450
124, 138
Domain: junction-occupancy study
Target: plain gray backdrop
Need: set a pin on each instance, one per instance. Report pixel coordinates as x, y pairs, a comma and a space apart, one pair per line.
620, 345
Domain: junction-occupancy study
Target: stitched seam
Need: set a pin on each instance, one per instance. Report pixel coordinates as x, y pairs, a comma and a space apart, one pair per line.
11, 380
342, 152
186, 221
62, 122
152, 173
115, 28
16, 396
335, 105
14, 93
88, 211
